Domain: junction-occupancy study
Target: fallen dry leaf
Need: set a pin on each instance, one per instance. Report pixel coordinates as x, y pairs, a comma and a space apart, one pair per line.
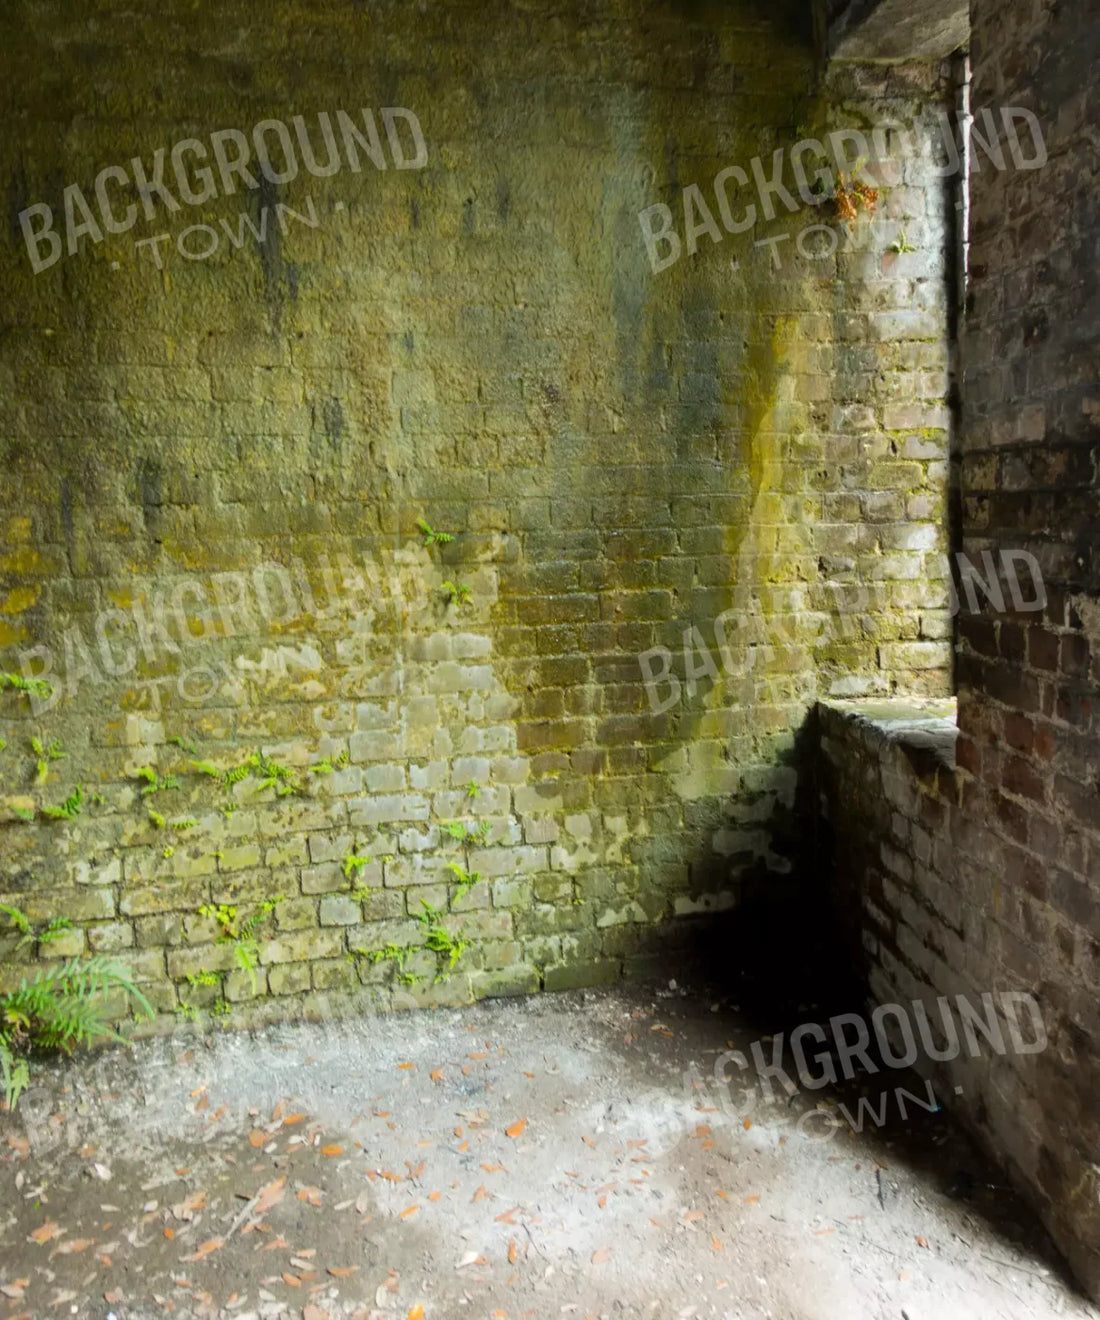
185, 1209
332, 1150
436, 1075
516, 1129
416, 1312
256, 1138
270, 1195
512, 1252
292, 1120
408, 1210
342, 1271
71, 1247
310, 1194
14, 1290
205, 1249
45, 1232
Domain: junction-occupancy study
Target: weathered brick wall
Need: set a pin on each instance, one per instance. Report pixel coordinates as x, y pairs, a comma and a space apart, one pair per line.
481, 343
933, 902
1028, 682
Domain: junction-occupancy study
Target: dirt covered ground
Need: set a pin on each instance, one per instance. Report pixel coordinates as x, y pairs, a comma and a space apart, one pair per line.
565, 1155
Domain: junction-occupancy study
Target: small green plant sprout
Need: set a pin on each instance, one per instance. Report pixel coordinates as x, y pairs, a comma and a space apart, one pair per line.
456, 829
154, 783
218, 855
157, 819
457, 593
225, 915
229, 808
45, 752
202, 978
439, 939
169, 851
184, 744
3, 743
329, 765
29, 934
70, 808
901, 244
473, 788
354, 864
24, 813
205, 768
35, 687
241, 933
187, 823
465, 879
397, 953
431, 536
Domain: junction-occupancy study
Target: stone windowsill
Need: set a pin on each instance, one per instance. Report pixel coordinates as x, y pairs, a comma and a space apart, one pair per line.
925, 728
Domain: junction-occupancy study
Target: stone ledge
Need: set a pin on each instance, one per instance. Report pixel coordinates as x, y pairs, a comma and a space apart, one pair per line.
926, 729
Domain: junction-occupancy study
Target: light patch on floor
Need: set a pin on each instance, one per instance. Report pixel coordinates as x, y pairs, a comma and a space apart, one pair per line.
565, 1155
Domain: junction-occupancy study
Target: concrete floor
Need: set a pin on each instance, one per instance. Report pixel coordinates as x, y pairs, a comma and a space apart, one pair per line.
528, 1158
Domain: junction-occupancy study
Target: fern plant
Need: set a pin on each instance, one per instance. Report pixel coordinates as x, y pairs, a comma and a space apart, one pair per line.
61, 1008
431, 536
29, 934
45, 752
70, 808
35, 687
457, 593
465, 879
155, 783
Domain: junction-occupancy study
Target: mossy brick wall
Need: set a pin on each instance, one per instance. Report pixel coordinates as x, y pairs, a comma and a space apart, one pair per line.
481, 342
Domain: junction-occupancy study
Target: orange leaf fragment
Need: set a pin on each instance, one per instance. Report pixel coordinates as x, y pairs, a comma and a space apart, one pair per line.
749, 1200
589, 1142
492, 1168
72, 1247
481, 1193
205, 1248
692, 1215
716, 1243
342, 1271
44, 1233
408, 1210
416, 1312
292, 1120
516, 1129
600, 1255
310, 1194
433, 1196
922, 1242
746, 1123
436, 1075
513, 1251
406, 1066
332, 1150
256, 1138
169, 1233
292, 1280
